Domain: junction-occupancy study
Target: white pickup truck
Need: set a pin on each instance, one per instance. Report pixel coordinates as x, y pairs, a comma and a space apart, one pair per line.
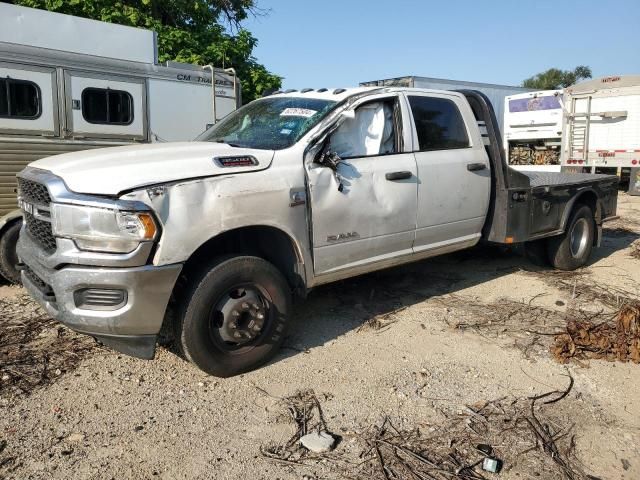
212, 239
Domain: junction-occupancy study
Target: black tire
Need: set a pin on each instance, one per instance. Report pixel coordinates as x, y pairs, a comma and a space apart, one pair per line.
8, 254
202, 324
572, 249
536, 252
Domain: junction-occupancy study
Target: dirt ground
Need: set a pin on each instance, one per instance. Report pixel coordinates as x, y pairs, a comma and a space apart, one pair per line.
414, 344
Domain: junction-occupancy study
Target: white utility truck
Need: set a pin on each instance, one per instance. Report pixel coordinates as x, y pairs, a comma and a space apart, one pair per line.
68, 83
211, 239
602, 127
533, 130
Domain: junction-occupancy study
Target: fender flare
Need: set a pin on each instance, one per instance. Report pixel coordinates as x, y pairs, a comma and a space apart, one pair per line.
8, 219
574, 200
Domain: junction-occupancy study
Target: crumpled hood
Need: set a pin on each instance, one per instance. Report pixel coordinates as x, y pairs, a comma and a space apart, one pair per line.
110, 171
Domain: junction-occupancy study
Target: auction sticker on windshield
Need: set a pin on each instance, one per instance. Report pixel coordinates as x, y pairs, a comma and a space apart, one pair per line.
298, 112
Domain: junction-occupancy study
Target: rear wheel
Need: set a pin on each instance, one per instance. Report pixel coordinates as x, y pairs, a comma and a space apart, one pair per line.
8, 254
572, 249
235, 316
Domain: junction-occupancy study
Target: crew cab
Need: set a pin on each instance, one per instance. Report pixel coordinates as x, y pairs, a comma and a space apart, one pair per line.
212, 239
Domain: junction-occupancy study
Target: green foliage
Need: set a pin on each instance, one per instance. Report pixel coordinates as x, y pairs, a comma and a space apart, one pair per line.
193, 31
554, 78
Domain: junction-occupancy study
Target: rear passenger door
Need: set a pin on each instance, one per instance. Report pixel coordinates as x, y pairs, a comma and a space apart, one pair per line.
105, 106
454, 172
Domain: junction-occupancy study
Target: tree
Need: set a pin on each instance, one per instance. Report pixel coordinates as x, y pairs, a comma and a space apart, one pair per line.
554, 78
193, 31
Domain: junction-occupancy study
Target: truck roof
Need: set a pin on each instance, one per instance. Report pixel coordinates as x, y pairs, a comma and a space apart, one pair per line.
605, 83
339, 94
335, 94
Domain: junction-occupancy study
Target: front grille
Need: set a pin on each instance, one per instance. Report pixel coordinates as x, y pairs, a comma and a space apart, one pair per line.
35, 279
41, 232
40, 284
34, 192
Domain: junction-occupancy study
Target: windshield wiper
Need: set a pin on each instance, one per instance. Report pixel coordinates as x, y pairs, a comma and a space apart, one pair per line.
222, 140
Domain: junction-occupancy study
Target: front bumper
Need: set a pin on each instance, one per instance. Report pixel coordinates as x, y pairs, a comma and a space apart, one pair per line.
132, 328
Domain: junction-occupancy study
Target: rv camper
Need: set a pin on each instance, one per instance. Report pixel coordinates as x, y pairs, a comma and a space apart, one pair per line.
533, 130
68, 84
601, 131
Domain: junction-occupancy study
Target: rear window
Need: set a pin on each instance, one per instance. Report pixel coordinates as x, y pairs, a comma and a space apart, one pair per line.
106, 106
439, 124
545, 102
19, 99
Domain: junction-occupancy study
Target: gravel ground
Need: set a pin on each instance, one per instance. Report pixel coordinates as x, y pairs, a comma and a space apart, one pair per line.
380, 345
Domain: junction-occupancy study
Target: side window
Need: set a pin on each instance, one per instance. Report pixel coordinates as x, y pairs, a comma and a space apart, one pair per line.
19, 99
371, 132
439, 123
106, 106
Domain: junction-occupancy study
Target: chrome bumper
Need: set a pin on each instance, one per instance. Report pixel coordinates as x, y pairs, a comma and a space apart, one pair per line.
132, 328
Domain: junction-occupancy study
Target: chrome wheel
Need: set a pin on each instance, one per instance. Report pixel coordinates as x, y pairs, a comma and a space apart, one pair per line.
239, 317
579, 237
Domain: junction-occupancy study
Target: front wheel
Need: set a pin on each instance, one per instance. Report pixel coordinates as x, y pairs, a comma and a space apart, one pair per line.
572, 249
234, 317
8, 254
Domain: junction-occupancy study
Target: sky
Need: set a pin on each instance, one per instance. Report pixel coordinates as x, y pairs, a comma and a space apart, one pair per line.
333, 43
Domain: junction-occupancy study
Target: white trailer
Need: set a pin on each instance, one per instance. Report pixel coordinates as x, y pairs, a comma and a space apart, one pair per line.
533, 130
601, 129
68, 83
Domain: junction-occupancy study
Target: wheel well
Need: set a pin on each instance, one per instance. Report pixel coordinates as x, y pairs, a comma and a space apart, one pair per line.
589, 199
265, 242
9, 223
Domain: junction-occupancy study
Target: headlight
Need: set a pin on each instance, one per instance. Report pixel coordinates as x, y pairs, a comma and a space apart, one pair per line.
102, 229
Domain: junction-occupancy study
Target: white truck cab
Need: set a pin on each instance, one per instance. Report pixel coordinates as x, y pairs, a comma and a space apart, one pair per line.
212, 239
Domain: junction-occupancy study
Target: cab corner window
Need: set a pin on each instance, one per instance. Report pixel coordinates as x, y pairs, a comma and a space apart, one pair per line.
106, 106
371, 132
439, 124
19, 99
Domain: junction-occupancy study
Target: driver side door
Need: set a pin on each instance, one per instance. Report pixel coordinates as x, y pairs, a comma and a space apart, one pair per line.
372, 216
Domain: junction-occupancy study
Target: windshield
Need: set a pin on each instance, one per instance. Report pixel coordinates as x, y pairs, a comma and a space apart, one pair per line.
269, 123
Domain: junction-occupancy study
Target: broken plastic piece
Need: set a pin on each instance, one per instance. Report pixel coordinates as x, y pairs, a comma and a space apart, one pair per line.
485, 448
492, 465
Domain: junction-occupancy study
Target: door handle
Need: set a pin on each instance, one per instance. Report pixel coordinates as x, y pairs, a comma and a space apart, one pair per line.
398, 175
474, 167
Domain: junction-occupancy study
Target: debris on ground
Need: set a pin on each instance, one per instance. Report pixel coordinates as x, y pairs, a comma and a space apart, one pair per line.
582, 288
311, 432
382, 321
517, 435
528, 326
613, 339
34, 349
318, 442
635, 250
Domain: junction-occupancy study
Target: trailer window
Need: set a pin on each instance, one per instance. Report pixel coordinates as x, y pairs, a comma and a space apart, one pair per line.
534, 104
439, 124
106, 106
19, 99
